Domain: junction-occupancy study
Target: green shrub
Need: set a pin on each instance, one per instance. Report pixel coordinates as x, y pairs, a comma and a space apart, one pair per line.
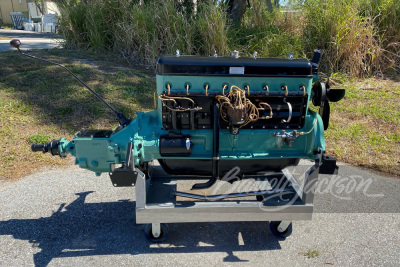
358, 37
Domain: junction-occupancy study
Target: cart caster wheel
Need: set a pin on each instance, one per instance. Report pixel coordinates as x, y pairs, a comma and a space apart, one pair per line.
149, 235
260, 198
273, 226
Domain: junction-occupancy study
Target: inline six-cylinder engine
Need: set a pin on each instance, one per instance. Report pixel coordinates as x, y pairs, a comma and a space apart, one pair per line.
213, 114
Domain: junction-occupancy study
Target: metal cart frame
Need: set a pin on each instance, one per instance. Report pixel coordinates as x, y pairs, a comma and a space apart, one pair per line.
156, 203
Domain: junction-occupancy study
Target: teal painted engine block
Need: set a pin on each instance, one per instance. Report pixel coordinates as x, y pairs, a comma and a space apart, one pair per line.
214, 113
215, 116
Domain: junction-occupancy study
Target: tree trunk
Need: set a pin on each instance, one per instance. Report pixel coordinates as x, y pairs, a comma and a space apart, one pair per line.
236, 10
43, 8
269, 5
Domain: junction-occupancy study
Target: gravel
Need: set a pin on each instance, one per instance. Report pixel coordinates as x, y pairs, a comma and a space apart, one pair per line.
70, 217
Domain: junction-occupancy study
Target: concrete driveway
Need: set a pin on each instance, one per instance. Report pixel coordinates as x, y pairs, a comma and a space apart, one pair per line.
29, 40
70, 217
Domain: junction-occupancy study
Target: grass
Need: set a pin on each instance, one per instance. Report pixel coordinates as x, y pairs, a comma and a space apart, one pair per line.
40, 102
38, 139
4, 38
365, 125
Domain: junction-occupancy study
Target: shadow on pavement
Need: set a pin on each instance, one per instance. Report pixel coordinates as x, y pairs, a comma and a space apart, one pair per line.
85, 229
28, 34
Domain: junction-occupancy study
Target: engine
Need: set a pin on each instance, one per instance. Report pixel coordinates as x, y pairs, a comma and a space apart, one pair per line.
213, 114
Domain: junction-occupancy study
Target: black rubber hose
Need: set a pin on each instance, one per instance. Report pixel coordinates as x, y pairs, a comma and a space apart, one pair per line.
215, 154
121, 118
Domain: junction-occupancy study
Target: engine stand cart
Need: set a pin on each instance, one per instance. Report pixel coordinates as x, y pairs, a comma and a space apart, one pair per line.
157, 204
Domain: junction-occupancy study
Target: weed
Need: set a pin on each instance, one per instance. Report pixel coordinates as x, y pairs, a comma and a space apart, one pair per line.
65, 110
359, 38
38, 139
394, 137
310, 253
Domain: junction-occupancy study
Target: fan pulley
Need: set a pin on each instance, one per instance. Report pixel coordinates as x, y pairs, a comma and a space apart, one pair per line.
322, 95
